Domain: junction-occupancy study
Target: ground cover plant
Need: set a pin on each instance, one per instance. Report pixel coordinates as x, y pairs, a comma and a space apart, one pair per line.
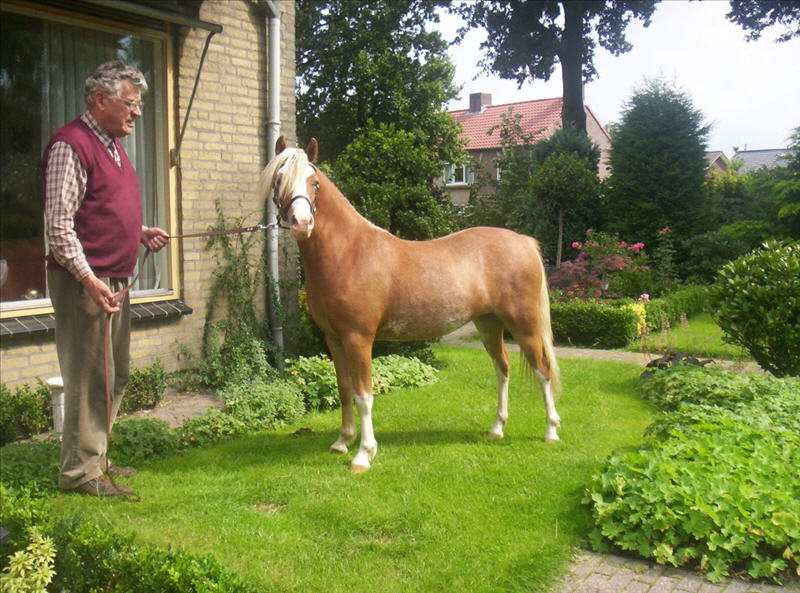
717, 484
445, 509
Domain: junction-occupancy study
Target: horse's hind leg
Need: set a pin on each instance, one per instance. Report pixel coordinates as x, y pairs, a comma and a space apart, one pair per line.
491, 330
533, 349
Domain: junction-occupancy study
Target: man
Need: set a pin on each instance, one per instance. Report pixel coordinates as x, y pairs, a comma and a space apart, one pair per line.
93, 218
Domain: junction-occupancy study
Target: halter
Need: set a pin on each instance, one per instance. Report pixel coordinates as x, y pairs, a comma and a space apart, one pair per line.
283, 211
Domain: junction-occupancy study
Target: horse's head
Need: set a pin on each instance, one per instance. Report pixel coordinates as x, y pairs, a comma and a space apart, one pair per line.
294, 184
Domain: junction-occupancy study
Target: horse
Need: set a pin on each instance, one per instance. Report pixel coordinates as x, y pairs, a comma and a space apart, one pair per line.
364, 284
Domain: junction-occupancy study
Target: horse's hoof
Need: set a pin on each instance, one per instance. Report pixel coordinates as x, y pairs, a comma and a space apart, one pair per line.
359, 469
495, 436
338, 448
552, 439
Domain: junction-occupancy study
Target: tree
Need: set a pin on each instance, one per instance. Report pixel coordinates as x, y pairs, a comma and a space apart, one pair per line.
373, 61
658, 167
526, 39
386, 174
565, 180
756, 15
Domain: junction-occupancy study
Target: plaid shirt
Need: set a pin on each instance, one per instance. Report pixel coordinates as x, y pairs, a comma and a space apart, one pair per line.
65, 188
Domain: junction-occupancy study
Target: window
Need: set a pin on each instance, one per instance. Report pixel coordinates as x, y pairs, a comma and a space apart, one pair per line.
458, 174
43, 64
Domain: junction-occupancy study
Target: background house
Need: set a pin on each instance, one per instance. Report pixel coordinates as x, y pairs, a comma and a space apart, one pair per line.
752, 160
717, 162
540, 118
216, 57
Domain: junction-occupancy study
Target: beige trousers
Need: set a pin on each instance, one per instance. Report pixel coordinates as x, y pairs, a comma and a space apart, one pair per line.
81, 346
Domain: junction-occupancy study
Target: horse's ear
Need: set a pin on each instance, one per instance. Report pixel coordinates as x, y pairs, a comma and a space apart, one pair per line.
312, 150
280, 145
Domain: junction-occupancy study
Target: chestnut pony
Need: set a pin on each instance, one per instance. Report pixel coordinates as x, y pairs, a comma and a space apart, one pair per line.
365, 284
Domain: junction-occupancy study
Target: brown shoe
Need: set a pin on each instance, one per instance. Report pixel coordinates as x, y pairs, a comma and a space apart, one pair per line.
102, 486
117, 471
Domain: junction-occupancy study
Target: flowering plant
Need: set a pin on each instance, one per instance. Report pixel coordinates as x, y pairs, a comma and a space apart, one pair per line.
601, 258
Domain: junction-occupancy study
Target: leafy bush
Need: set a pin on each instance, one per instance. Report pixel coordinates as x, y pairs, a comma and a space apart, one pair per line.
30, 570
145, 388
316, 377
717, 484
393, 371
127, 567
211, 426
34, 462
724, 495
757, 304
137, 439
261, 405
593, 324
21, 509
25, 412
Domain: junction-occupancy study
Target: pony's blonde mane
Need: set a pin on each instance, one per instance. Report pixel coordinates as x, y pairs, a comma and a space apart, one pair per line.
292, 163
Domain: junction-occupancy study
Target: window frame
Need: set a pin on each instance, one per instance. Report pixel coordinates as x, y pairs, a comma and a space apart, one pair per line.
166, 138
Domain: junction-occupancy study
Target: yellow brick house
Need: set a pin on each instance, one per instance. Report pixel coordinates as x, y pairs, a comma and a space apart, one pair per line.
221, 77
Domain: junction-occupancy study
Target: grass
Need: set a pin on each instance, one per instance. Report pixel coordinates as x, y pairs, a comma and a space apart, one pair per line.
443, 508
699, 336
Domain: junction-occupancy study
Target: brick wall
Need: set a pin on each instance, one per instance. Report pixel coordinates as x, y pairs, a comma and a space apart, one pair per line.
223, 153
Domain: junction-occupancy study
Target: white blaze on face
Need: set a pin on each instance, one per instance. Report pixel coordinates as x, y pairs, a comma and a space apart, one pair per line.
299, 216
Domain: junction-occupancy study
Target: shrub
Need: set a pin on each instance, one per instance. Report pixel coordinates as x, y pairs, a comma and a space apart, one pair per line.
316, 377
137, 439
261, 405
757, 304
25, 412
211, 426
716, 484
33, 463
21, 509
128, 567
30, 570
145, 388
593, 324
687, 300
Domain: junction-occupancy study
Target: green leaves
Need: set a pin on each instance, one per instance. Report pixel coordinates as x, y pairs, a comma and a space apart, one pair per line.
757, 303
718, 482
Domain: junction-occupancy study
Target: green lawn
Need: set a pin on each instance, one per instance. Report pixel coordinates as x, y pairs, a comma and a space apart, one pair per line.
699, 336
443, 508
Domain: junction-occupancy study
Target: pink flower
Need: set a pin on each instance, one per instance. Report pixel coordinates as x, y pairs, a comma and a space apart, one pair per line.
576, 245
644, 297
665, 230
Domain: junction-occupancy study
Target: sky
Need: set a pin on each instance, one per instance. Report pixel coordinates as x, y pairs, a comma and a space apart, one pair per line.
749, 91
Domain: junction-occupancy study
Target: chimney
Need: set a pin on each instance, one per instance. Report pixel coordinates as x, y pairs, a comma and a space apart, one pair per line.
477, 101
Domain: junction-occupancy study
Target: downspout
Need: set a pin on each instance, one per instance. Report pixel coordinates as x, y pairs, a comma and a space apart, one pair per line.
272, 10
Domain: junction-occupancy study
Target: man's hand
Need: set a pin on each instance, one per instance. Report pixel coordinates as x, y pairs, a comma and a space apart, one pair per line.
100, 293
154, 238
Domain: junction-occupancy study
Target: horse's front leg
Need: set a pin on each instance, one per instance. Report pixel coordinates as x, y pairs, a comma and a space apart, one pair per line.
359, 361
347, 434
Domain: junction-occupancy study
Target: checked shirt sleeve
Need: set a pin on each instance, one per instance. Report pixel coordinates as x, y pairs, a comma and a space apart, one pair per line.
65, 187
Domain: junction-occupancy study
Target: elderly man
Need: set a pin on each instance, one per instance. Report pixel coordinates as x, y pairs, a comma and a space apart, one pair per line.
93, 218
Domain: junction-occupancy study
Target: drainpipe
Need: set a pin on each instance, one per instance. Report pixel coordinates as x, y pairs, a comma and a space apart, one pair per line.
273, 12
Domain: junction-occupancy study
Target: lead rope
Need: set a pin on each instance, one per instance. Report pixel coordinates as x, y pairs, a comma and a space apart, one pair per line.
116, 300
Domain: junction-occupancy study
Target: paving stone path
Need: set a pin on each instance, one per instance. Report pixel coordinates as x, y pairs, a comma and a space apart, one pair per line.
600, 573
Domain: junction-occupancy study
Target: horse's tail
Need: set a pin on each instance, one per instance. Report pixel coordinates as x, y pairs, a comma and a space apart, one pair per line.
546, 332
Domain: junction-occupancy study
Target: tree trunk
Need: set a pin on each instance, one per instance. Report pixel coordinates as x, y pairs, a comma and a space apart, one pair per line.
560, 235
571, 58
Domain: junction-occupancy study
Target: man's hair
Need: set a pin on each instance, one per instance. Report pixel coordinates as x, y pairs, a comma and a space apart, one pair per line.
108, 77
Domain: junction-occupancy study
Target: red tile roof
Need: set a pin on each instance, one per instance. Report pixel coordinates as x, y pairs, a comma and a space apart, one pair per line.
539, 117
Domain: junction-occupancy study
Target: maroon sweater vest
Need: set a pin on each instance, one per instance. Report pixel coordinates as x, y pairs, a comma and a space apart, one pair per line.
109, 220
